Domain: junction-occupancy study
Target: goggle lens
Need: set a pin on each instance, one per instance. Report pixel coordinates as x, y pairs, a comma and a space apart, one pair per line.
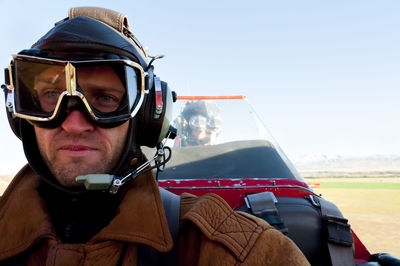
37, 87
104, 89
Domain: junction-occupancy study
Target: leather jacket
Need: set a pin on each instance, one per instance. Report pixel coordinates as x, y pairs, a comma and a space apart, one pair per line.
210, 233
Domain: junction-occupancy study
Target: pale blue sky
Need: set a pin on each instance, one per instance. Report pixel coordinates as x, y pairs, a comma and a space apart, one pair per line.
324, 75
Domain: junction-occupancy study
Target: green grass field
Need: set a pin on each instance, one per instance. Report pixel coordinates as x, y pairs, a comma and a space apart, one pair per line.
356, 185
372, 206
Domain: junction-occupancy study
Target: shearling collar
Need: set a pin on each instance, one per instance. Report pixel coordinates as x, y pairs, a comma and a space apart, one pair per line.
24, 220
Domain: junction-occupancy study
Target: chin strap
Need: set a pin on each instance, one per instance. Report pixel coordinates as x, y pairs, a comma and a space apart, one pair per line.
112, 183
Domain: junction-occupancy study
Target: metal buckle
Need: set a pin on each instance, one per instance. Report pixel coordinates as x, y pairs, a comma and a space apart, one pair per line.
314, 201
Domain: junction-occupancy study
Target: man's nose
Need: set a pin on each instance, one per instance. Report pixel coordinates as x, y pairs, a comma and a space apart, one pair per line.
76, 123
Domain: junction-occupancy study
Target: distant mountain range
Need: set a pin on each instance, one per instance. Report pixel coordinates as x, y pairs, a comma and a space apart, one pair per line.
339, 163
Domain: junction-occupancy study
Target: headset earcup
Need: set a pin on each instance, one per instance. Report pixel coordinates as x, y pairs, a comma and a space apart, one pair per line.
153, 128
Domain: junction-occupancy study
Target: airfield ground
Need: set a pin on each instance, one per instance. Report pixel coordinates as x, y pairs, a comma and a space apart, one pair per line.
372, 206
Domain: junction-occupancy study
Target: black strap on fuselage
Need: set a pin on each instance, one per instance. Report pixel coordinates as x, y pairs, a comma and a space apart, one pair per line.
149, 256
339, 237
340, 240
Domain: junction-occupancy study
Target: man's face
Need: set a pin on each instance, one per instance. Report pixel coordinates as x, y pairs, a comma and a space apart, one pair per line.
204, 136
78, 147
202, 133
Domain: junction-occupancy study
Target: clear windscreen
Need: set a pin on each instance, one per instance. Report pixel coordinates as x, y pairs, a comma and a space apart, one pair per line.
223, 138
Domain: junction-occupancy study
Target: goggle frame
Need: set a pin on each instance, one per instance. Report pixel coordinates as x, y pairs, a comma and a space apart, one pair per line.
71, 87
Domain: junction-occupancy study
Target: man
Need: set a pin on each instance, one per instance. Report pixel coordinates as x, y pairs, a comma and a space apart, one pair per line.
199, 123
83, 100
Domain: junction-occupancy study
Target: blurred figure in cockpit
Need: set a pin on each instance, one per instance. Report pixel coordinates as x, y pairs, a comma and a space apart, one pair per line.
199, 123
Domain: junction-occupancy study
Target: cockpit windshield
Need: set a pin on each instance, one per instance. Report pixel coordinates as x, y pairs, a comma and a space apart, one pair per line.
223, 137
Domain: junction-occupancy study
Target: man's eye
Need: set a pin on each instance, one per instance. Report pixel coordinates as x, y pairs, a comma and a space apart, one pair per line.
49, 94
105, 102
48, 99
52, 94
107, 99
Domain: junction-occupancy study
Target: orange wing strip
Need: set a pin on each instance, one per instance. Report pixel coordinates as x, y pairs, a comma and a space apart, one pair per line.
221, 97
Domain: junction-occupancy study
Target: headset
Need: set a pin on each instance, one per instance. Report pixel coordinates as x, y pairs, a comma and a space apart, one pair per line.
156, 114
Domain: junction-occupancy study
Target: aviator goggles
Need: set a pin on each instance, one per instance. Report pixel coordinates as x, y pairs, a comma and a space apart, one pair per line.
199, 122
42, 90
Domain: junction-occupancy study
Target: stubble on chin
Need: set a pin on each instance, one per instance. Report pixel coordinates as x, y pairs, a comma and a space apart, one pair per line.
66, 173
